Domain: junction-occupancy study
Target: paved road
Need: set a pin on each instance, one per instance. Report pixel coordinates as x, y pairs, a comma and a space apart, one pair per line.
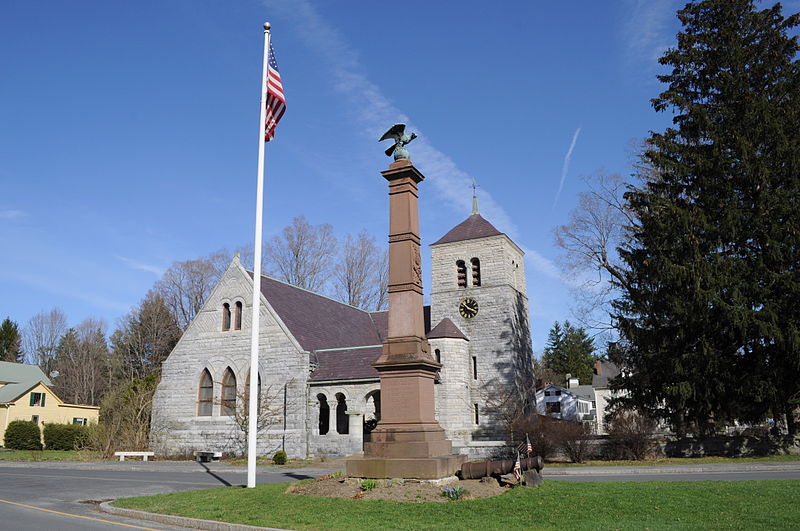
43, 496
54, 496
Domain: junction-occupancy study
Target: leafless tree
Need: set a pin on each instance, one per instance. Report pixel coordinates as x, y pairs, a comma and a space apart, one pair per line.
597, 227
303, 255
144, 338
41, 337
382, 282
82, 363
359, 275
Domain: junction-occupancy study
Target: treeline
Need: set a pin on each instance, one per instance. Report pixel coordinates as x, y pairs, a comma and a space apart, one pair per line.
694, 262
86, 364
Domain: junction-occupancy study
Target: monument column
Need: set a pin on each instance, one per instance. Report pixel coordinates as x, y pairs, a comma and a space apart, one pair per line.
408, 442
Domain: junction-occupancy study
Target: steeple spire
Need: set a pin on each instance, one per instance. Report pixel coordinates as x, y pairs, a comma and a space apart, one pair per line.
474, 198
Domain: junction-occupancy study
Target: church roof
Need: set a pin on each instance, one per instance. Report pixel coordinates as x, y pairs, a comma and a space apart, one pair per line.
470, 229
446, 329
346, 364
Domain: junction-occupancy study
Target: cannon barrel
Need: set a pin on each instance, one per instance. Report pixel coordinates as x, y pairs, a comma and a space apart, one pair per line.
484, 469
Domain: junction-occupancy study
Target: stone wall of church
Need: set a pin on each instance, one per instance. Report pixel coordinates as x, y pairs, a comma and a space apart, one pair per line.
454, 408
499, 334
283, 367
362, 401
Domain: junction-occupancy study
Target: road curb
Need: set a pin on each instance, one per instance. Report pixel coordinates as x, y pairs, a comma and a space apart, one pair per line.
670, 469
194, 523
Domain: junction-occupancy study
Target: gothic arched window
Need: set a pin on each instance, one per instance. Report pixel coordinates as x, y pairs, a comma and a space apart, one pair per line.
461, 272
228, 393
237, 316
205, 395
476, 272
226, 317
247, 392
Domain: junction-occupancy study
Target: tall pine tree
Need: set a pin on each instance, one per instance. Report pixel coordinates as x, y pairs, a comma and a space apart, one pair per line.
10, 342
569, 350
708, 315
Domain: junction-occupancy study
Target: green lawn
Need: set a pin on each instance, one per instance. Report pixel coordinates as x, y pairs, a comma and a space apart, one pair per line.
683, 461
48, 455
555, 505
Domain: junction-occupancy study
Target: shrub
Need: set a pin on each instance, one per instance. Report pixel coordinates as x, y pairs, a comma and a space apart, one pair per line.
279, 458
23, 435
539, 429
64, 436
368, 484
454, 493
574, 439
630, 435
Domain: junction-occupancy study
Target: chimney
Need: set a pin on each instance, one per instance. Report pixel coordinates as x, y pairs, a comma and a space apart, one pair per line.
572, 381
598, 367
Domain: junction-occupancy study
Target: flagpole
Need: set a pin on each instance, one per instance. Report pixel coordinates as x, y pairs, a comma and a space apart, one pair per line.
252, 412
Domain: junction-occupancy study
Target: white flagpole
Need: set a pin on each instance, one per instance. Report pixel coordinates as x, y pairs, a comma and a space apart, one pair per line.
252, 413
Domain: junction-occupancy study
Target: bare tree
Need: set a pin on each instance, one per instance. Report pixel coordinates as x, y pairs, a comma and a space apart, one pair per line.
41, 337
186, 285
382, 282
144, 338
82, 363
597, 227
304, 255
359, 274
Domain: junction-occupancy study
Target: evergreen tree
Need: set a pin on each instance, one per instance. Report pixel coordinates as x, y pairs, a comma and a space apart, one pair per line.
707, 316
10, 342
569, 350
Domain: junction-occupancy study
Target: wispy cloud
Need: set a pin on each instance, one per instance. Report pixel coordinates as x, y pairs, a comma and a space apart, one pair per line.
648, 28
141, 266
56, 286
11, 214
565, 167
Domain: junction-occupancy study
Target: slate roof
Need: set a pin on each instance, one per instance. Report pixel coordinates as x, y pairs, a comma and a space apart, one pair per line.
470, 229
19, 378
331, 330
608, 371
446, 329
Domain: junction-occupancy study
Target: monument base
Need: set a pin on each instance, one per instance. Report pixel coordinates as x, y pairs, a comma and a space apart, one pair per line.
405, 467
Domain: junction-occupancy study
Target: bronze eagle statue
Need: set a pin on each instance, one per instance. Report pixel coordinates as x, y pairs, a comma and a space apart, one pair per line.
398, 133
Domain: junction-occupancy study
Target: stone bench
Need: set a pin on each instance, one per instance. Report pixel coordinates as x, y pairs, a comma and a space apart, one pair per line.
207, 457
143, 455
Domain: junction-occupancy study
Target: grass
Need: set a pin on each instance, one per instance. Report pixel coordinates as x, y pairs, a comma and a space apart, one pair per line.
48, 455
554, 505
267, 461
682, 461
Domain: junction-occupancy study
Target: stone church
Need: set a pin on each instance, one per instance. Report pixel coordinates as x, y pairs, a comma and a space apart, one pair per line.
320, 393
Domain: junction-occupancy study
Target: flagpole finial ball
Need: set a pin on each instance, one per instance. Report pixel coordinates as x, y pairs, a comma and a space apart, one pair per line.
267, 26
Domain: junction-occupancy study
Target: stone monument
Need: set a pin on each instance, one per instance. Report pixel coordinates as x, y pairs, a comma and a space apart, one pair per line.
408, 442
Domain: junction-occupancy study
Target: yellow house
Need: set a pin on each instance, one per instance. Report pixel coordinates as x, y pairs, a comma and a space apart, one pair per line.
25, 394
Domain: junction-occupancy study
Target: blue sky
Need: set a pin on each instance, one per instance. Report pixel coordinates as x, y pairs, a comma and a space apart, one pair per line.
128, 131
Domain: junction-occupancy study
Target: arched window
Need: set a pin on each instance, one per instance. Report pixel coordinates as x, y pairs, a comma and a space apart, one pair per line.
226, 317
476, 272
324, 414
461, 270
259, 400
205, 395
342, 425
228, 393
372, 414
237, 316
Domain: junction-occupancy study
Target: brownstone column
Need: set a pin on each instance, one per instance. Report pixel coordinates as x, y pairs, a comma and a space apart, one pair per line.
408, 441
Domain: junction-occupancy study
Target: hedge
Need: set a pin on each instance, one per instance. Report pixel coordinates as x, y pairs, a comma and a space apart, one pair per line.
23, 435
64, 436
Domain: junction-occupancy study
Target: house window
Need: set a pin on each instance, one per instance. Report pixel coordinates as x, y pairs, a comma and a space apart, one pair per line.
226, 317
228, 393
558, 393
477, 413
35, 419
342, 425
461, 271
237, 316
474, 368
547, 393
583, 407
476, 272
38, 399
205, 396
553, 407
324, 414
79, 421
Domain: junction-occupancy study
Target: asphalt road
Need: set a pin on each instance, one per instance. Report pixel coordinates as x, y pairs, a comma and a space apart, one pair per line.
64, 496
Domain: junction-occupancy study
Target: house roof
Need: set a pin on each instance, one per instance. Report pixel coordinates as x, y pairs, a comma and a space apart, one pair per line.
446, 329
605, 371
19, 378
584, 392
336, 332
470, 229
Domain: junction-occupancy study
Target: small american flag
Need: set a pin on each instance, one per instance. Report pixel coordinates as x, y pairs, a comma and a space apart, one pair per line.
276, 102
517, 468
530, 447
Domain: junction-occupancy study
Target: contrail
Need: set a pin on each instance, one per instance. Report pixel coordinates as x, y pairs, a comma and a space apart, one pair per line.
564, 169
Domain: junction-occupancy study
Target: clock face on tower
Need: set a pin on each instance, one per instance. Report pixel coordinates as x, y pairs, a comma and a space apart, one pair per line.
468, 308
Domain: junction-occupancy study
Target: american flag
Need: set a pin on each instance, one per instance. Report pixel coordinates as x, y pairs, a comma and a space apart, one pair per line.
530, 447
517, 468
276, 102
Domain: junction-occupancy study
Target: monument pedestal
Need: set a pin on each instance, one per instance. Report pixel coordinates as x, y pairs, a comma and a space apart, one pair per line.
408, 442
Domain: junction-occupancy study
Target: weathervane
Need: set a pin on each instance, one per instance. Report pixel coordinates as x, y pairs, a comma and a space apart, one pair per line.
398, 133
